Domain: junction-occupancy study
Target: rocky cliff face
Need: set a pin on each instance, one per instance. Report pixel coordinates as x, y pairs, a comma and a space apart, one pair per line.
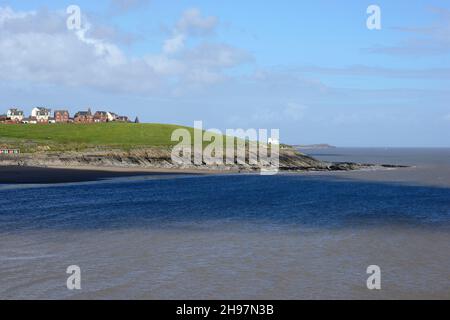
290, 160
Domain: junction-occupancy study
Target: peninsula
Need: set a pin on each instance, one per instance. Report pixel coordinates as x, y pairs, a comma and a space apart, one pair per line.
124, 148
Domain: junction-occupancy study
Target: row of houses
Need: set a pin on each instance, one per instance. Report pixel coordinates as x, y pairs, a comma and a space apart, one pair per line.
44, 115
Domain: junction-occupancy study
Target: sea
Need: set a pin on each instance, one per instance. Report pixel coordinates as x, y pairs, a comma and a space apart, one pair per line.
245, 236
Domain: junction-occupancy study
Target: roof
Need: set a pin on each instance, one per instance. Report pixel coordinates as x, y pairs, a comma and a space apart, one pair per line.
83, 113
16, 112
61, 111
43, 109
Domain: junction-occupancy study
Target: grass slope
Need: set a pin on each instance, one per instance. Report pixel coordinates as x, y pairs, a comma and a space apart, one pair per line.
59, 137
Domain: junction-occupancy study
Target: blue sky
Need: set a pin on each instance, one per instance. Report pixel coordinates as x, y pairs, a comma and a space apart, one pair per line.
311, 69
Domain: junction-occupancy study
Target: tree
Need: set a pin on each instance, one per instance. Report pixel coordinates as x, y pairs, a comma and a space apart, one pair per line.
136, 120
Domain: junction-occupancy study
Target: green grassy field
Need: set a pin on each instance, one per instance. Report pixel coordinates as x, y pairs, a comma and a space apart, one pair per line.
60, 137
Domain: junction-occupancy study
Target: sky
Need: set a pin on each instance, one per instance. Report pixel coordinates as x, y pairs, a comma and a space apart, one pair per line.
309, 68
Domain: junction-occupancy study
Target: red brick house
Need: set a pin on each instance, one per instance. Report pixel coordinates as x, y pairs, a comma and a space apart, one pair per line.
61, 116
84, 117
101, 116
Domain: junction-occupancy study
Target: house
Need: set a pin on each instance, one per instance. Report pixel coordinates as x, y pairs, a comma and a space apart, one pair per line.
15, 115
112, 116
122, 119
84, 117
101, 116
6, 120
41, 114
61, 116
30, 120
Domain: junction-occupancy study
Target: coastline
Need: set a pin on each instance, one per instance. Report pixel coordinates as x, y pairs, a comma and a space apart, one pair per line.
54, 168
10, 174
55, 175
46, 168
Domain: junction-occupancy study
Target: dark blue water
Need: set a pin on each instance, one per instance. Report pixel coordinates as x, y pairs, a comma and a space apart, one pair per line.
199, 202
235, 236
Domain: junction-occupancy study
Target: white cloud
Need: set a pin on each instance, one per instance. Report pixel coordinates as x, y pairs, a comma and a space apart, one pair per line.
126, 5
193, 23
174, 44
36, 47
9, 15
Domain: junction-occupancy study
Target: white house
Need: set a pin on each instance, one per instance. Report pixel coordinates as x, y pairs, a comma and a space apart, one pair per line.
41, 114
15, 115
111, 116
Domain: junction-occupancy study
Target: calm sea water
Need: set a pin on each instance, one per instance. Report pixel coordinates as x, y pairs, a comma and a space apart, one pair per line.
220, 237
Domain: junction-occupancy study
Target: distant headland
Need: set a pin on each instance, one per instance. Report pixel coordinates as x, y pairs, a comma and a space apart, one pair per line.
314, 146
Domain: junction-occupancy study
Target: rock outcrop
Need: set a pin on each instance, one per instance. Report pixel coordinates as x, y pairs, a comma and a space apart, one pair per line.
290, 160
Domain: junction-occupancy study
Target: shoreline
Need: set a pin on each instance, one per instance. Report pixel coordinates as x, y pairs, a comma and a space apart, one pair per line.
14, 174
56, 174
437, 176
